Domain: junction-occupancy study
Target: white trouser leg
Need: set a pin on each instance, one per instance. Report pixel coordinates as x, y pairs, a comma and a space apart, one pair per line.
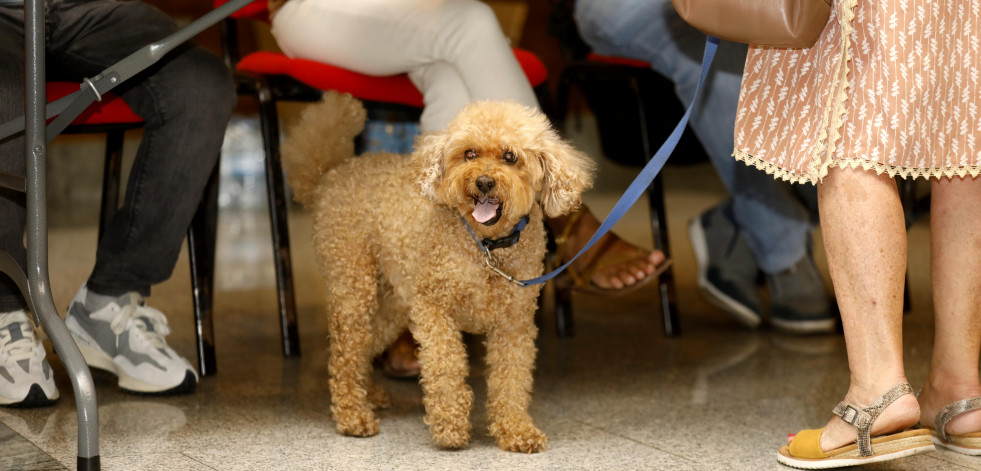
454, 50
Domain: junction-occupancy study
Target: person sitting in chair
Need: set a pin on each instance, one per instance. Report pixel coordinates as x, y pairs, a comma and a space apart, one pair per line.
185, 101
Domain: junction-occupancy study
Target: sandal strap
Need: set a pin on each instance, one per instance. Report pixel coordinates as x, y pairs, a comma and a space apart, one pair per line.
862, 419
953, 410
569, 224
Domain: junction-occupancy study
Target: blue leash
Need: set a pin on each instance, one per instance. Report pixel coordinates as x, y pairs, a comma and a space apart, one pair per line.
646, 176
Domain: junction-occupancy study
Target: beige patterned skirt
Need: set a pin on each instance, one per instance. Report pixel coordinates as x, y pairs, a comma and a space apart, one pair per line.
892, 86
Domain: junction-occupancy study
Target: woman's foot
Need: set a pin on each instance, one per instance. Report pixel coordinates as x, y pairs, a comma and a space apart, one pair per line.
934, 397
612, 263
400, 360
902, 414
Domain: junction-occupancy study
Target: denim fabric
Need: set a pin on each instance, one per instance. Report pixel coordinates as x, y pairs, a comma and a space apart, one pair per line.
770, 212
185, 100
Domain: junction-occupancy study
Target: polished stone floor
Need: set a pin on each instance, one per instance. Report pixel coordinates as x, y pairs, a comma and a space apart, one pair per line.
619, 395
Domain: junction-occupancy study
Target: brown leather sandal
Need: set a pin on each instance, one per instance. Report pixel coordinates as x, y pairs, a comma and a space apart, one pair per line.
581, 280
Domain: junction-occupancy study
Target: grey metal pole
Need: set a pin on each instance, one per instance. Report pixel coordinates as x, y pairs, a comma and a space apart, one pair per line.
37, 243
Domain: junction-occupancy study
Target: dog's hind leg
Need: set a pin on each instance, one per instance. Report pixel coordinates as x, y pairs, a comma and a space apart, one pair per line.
510, 362
351, 302
443, 358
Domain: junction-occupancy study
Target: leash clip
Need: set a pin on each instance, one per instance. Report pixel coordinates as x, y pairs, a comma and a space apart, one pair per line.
491, 263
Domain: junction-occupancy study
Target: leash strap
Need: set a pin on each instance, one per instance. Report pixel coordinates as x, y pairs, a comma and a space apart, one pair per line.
646, 176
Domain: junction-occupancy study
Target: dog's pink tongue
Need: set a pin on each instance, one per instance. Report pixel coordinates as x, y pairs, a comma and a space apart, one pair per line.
484, 211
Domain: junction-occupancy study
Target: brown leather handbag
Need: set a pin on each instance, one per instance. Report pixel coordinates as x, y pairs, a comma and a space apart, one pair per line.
776, 23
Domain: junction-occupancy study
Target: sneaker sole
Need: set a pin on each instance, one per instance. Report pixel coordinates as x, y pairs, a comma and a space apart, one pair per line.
822, 326
714, 295
98, 359
186, 387
35, 398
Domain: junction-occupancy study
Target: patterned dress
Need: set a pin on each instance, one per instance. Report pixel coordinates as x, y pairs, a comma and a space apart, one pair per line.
891, 85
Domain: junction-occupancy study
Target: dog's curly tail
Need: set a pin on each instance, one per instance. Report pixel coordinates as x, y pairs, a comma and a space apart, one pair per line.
319, 141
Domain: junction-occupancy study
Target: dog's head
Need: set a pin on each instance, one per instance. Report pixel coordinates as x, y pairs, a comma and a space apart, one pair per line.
495, 161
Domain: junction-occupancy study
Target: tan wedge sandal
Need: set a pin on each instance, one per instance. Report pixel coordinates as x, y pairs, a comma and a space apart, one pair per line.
968, 443
805, 452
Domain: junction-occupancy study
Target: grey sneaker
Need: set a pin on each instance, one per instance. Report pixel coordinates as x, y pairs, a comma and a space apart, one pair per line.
26, 379
126, 337
798, 302
727, 269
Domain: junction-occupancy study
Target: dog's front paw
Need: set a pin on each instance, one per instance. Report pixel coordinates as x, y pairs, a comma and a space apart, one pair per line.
449, 432
523, 438
356, 423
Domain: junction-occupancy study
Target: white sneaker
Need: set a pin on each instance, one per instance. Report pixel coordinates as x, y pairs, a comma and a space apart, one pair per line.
126, 337
26, 379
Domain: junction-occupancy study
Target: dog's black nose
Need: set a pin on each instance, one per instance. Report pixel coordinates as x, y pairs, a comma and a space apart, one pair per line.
485, 184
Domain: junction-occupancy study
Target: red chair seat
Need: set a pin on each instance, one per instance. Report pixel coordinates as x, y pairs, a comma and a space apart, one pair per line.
614, 60
111, 110
390, 89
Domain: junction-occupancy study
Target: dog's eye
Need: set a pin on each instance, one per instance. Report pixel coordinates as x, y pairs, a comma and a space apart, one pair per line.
469, 154
509, 157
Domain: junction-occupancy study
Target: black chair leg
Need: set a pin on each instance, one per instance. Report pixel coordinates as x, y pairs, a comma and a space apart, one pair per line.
278, 215
111, 175
201, 239
564, 325
562, 296
667, 297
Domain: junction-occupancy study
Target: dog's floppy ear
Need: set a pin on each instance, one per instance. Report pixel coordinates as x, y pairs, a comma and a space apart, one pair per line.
428, 153
567, 174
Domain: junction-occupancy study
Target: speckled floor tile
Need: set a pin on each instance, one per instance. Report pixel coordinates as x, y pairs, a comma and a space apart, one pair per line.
19, 453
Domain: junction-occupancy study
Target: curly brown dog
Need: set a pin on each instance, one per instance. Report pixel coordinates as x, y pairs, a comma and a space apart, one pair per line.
393, 234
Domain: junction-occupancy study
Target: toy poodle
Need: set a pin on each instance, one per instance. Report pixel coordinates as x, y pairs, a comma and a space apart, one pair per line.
431, 242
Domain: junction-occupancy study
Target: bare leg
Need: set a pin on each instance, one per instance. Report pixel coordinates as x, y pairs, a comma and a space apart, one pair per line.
955, 235
615, 276
865, 239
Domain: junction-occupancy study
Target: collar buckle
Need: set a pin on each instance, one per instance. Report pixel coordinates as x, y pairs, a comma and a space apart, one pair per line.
490, 260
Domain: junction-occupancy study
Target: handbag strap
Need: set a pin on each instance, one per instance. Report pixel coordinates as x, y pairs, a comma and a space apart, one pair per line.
647, 174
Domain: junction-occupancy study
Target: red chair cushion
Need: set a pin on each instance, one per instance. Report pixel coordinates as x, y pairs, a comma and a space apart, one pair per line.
111, 110
592, 56
390, 89
257, 10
